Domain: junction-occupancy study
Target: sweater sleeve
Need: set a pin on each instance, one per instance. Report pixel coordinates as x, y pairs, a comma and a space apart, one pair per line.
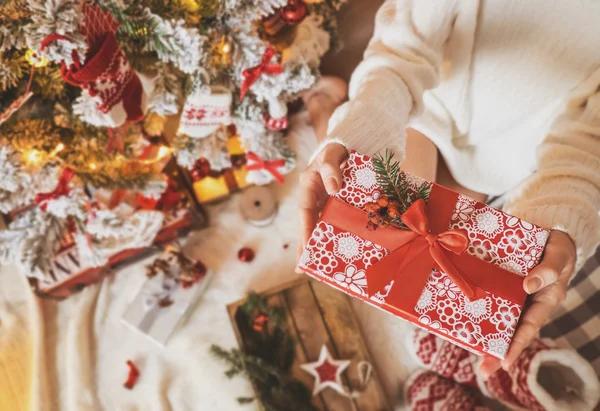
564, 193
401, 61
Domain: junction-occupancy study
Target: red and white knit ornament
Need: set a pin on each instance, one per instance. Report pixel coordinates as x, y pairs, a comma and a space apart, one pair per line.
544, 377
105, 73
203, 113
277, 118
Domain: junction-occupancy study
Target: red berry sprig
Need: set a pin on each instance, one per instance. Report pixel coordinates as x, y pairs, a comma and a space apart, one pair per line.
382, 212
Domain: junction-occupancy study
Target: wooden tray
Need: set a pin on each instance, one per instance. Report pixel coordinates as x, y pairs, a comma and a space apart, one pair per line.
317, 314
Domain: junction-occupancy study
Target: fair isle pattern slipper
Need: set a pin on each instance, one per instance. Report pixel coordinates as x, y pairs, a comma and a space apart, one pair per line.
428, 391
544, 377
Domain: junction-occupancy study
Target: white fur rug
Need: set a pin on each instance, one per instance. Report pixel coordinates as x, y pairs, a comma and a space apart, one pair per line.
71, 355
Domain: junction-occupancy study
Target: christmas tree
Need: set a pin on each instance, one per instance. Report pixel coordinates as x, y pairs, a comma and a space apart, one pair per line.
87, 87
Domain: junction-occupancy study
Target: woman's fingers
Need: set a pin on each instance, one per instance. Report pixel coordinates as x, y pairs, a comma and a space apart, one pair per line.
558, 262
331, 167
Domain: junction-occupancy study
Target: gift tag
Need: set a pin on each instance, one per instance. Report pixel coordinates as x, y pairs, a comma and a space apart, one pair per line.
258, 205
204, 112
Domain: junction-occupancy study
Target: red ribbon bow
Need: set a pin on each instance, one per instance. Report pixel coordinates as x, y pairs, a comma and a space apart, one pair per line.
61, 189
265, 67
257, 163
426, 245
455, 241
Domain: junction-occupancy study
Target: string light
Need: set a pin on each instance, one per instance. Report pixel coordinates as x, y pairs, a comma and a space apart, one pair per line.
34, 157
92, 166
34, 59
163, 151
59, 147
226, 48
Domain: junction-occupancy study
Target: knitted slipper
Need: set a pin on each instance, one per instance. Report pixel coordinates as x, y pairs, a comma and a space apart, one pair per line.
427, 391
544, 377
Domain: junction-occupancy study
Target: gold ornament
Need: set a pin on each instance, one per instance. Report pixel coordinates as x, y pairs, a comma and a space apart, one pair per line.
154, 125
34, 59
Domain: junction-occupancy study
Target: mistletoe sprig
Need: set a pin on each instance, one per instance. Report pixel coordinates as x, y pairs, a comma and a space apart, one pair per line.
397, 195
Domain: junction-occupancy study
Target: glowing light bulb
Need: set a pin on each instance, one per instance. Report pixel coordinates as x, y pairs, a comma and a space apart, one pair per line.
34, 59
92, 166
34, 157
163, 151
226, 48
59, 147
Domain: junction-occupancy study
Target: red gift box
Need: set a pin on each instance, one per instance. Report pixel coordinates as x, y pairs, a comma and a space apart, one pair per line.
455, 269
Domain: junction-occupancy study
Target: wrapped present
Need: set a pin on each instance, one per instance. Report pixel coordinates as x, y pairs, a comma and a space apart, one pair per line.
174, 283
151, 224
436, 258
210, 185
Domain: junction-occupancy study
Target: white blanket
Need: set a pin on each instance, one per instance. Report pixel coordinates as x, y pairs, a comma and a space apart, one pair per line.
71, 355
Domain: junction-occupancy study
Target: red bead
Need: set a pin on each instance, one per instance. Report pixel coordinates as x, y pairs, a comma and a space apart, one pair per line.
285, 246
201, 169
294, 12
246, 255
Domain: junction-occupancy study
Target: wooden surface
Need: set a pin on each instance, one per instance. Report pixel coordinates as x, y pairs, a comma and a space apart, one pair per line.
318, 314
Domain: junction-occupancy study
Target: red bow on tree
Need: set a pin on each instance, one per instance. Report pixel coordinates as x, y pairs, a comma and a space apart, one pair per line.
61, 189
257, 163
265, 67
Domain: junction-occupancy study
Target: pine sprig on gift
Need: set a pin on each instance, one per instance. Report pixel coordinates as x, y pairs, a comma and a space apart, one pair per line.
390, 179
396, 189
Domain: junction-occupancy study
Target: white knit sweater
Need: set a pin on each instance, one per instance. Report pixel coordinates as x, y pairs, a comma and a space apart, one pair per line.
492, 84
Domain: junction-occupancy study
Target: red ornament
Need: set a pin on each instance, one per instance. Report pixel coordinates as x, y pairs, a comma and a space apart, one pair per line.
246, 255
133, 375
327, 372
273, 23
260, 322
201, 169
294, 12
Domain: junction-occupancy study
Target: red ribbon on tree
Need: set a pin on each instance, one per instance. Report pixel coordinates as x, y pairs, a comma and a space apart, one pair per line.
61, 189
427, 244
265, 67
257, 163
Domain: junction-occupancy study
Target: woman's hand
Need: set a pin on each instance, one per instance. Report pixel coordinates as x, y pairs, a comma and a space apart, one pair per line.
323, 177
548, 284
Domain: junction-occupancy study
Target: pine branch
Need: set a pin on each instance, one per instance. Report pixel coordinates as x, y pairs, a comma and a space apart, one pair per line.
389, 177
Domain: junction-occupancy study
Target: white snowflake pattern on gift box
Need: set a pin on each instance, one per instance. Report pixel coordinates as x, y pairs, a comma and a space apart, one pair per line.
541, 237
364, 177
373, 253
447, 287
348, 247
514, 241
496, 344
321, 236
379, 297
436, 325
513, 264
448, 312
325, 261
467, 332
505, 318
477, 310
483, 249
463, 209
427, 300
352, 278
487, 222
306, 258
532, 257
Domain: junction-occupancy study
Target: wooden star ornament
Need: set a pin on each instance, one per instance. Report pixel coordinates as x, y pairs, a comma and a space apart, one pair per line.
327, 372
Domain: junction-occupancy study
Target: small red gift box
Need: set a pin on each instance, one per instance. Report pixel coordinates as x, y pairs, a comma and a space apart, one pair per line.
454, 266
